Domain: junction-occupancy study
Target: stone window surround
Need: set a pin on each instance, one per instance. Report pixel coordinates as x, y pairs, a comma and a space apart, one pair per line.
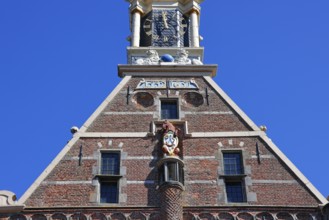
100, 177
175, 97
222, 196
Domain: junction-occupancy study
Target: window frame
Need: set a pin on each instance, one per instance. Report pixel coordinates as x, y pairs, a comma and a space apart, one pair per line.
237, 177
104, 178
168, 100
116, 166
102, 183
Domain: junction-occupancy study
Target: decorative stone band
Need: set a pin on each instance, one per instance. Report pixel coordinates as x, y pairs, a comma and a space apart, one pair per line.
171, 69
192, 135
152, 58
172, 84
228, 212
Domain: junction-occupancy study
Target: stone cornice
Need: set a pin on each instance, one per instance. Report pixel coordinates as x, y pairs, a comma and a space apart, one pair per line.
167, 70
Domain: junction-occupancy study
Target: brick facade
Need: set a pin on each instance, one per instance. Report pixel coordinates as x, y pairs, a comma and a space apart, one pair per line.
267, 180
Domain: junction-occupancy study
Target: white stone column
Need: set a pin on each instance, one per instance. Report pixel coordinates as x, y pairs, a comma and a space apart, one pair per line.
195, 39
136, 27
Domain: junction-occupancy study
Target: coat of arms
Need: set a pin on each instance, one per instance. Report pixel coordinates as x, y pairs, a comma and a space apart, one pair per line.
170, 139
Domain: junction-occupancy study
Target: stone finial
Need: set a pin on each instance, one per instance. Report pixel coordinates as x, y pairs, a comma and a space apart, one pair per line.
8, 202
263, 128
7, 198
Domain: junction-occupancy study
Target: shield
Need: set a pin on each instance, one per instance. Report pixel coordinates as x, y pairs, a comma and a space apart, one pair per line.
170, 142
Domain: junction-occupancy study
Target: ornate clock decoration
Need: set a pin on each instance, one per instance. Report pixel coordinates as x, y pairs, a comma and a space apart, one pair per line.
165, 27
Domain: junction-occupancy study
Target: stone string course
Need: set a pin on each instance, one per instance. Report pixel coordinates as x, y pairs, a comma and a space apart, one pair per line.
154, 214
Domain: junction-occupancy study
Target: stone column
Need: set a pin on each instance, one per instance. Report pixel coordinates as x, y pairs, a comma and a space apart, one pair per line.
195, 38
136, 27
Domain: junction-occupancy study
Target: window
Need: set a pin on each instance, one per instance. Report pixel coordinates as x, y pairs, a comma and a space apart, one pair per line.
169, 109
110, 163
109, 192
234, 191
232, 164
234, 177
109, 177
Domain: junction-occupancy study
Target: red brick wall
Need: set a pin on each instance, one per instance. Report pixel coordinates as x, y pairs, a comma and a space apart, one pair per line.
202, 175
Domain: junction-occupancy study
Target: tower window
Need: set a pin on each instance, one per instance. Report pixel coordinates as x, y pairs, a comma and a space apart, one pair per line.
169, 109
234, 177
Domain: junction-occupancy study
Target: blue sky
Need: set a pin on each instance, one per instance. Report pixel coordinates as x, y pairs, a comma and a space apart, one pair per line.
58, 61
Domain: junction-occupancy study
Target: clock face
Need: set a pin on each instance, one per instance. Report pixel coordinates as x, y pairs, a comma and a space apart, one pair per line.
165, 27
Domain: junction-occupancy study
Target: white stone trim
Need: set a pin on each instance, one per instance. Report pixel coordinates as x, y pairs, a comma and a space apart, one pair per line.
226, 134
263, 136
45, 173
113, 134
209, 113
69, 145
128, 113
201, 182
199, 157
78, 158
231, 103
141, 158
168, 74
262, 156
295, 170
140, 182
104, 104
192, 135
275, 181
65, 182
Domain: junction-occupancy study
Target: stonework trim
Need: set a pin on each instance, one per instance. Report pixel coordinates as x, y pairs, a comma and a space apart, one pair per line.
192, 135
262, 156
295, 170
150, 74
113, 134
201, 182
209, 113
65, 182
78, 158
199, 158
226, 134
104, 104
141, 158
45, 173
149, 182
275, 181
128, 113
231, 103
271, 145
75, 138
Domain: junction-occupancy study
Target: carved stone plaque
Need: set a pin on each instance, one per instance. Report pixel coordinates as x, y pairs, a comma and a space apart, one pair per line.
152, 84
172, 84
183, 84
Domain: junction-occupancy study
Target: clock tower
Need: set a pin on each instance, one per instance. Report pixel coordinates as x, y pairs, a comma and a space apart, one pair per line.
166, 26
